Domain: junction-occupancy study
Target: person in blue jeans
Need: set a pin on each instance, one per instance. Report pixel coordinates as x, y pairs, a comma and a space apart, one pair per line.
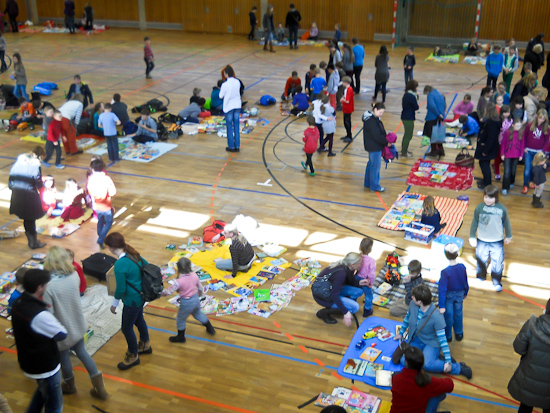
230, 92
374, 140
20, 76
426, 330
345, 291
109, 121
453, 289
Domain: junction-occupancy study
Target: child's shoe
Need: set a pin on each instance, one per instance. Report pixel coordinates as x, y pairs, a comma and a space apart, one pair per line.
525, 190
465, 370
331, 154
59, 166
367, 313
312, 173
321, 150
46, 164
303, 165
531, 185
504, 192
498, 288
497, 177
459, 337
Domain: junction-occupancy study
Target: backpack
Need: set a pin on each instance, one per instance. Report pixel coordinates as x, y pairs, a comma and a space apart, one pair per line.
322, 287
129, 128
170, 118
157, 105
214, 232
151, 281
162, 132
267, 100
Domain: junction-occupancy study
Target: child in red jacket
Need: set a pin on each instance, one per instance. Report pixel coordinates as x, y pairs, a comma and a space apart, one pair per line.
290, 86
348, 106
311, 136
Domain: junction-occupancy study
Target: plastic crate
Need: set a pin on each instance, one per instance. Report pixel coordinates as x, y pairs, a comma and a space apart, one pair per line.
439, 243
420, 233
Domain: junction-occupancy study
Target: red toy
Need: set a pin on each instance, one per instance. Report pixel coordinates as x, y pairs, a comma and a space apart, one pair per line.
373, 345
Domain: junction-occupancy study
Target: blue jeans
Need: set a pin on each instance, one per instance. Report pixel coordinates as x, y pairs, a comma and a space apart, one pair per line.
112, 148
83, 356
190, 306
104, 224
453, 313
433, 403
349, 295
48, 395
368, 295
408, 75
227, 265
528, 167
372, 173
493, 251
432, 362
20, 90
133, 316
232, 124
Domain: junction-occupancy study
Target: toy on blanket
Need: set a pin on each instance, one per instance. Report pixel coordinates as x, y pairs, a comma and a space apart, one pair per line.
392, 274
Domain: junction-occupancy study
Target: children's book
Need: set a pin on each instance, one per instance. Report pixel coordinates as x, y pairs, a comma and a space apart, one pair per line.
384, 378
224, 308
370, 354
273, 268
370, 371
356, 367
8, 276
228, 287
279, 261
211, 306
262, 295
204, 276
273, 250
39, 256
261, 255
372, 404
195, 242
325, 400
382, 333
241, 292
241, 303
383, 288
216, 285
380, 300
266, 275
258, 280
341, 393
175, 300
357, 399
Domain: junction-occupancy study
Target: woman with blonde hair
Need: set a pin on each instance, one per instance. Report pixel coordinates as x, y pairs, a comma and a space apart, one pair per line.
63, 298
345, 289
531, 101
242, 253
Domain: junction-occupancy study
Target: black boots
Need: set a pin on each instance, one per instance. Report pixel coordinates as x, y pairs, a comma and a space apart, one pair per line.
33, 241
209, 328
324, 314
180, 338
536, 202
437, 150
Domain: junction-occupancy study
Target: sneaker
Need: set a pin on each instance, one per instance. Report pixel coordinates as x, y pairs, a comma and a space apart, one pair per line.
465, 370
367, 313
449, 339
59, 166
348, 140
479, 280
321, 150
497, 177
504, 192
303, 165
312, 173
46, 164
498, 288
459, 337
382, 189
331, 154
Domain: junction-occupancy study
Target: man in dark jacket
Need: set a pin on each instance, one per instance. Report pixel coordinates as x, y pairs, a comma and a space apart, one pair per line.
69, 15
80, 87
269, 28
12, 10
253, 23
293, 19
37, 332
120, 109
374, 139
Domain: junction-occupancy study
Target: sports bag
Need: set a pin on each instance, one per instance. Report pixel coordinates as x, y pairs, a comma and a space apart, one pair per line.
97, 265
47, 85
322, 287
151, 281
464, 159
42, 90
267, 100
214, 232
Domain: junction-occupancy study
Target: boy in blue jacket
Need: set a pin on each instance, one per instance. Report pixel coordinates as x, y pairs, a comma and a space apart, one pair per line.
470, 127
494, 64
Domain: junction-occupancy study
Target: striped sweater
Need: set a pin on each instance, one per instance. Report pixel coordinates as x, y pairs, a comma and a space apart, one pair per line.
241, 254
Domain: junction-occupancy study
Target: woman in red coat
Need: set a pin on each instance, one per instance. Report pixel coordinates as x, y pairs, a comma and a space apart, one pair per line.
414, 391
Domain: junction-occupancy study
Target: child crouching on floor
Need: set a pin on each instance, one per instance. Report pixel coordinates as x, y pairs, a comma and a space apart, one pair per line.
401, 307
368, 272
189, 288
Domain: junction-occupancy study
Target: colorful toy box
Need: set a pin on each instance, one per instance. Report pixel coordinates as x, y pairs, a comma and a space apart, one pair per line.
420, 233
439, 243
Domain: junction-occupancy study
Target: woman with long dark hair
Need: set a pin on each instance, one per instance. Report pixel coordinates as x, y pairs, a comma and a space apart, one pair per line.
410, 106
20, 76
230, 93
128, 289
374, 140
382, 74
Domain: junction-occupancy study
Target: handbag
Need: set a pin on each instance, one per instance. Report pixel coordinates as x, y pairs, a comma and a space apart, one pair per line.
439, 131
322, 287
403, 346
464, 159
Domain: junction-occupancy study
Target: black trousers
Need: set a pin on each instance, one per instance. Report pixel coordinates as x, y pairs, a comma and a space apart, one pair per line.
293, 35
523, 408
485, 167
509, 176
309, 162
330, 140
50, 147
357, 81
30, 226
13, 22
347, 124
252, 32
150, 65
321, 134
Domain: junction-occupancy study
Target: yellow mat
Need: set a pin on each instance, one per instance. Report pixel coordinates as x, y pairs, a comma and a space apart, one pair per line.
205, 259
35, 139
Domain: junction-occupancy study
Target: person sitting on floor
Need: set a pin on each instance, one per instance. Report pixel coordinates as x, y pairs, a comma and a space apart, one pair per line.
99, 108
242, 254
196, 95
216, 103
80, 87
300, 103
73, 200
120, 109
147, 128
191, 113
345, 289
290, 86
27, 113
470, 127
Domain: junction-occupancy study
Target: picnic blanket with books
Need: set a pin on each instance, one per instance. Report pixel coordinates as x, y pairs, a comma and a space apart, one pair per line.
442, 175
453, 58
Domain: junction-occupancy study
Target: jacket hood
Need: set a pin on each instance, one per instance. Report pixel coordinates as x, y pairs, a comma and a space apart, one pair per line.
540, 326
367, 115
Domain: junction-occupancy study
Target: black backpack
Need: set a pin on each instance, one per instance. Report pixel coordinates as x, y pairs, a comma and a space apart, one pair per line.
151, 281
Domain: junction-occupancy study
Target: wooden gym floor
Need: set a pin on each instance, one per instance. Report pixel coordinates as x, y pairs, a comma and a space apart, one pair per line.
255, 364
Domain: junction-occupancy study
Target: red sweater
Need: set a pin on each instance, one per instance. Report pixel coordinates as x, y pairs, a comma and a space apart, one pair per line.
55, 130
349, 96
311, 137
80, 273
407, 397
290, 83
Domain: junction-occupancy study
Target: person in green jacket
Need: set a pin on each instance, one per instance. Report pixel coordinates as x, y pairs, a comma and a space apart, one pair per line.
128, 289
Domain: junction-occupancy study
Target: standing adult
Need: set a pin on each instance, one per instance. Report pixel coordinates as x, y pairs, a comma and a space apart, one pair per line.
101, 189
530, 384
427, 332
382, 74
408, 116
293, 19
71, 113
20, 76
269, 28
89, 15
374, 140
36, 333
487, 143
63, 299
242, 253
533, 57
359, 53
436, 107
12, 10
69, 15
347, 59
345, 289
532, 100
413, 390
80, 87
230, 93
253, 23
128, 289
538, 39
25, 180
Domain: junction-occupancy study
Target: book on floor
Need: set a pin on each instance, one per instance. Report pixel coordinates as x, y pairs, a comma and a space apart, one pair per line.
370, 354
380, 300
356, 367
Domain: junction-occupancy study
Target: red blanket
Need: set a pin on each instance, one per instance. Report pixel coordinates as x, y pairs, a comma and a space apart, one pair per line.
457, 178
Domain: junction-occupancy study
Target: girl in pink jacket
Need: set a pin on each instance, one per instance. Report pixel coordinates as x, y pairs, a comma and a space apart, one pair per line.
511, 152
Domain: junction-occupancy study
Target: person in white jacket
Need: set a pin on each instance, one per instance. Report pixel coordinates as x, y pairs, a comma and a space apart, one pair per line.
231, 95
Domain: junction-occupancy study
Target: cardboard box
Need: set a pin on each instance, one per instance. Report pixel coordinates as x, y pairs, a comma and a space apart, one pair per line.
111, 281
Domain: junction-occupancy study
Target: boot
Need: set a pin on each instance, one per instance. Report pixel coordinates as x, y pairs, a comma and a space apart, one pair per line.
265, 44
68, 386
533, 201
209, 328
434, 152
271, 47
37, 243
538, 203
323, 314
30, 238
130, 360
98, 391
144, 347
180, 338
441, 150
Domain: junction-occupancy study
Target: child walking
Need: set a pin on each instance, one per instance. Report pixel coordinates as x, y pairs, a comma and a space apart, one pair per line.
333, 81
494, 65
20, 77
348, 107
453, 289
539, 178
54, 136
507, 123
329, 126
511, 152
368, 272
311, 136
148, 57
109, 121
319, 117
430, 215
491, 222
408, 64
190, 289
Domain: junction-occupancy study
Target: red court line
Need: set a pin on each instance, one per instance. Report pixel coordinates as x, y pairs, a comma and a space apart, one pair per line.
337, 375
305, 350
482, 388
381, 200
523, 298
319, 362
9, 143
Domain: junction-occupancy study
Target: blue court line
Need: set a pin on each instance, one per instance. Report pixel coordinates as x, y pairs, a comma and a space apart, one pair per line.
277, 71
6, 224
310, 363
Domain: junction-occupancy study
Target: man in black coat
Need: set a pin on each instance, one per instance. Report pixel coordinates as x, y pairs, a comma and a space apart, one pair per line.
374, 140
293, 19
253, 23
